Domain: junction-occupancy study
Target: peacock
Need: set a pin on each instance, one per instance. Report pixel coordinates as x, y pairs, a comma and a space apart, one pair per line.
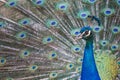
59, 39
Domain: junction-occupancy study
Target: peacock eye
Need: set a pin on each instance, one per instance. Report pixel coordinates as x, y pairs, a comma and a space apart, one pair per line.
86, 32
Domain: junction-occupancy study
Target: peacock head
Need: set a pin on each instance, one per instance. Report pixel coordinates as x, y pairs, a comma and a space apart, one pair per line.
86, 33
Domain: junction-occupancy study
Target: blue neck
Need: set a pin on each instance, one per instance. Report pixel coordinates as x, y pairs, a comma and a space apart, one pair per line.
89, 69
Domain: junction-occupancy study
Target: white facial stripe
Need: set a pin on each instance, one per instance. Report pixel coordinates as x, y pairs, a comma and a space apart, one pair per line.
82, 34
88, 34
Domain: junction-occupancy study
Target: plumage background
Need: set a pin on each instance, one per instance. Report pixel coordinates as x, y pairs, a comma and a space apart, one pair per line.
37, 38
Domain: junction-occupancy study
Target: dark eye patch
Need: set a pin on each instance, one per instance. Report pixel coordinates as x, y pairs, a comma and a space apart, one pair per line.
85, 33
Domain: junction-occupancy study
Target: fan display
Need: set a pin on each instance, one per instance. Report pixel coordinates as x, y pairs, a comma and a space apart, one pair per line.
59, 39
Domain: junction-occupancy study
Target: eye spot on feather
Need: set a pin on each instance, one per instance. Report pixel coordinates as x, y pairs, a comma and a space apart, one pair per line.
70, 66
118, 2
76, 48
25, 53
115, 30
12, 3
33, 68
108, 11
114, 47
75, 32
104, 42
62, 6
52, 55
78, 69
51, 23
22, 35
97, 29
39, 2
53, 75
2, 24
47, 40
91, 1
24, 21
83, 14
80, 60
2, 61
118, 62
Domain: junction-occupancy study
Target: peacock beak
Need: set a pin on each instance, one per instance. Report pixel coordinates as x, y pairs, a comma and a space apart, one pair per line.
79, 37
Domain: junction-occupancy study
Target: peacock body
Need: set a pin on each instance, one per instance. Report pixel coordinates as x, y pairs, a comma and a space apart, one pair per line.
38, 39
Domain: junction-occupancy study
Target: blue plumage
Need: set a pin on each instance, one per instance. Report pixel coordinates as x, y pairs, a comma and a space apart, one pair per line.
89, 69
